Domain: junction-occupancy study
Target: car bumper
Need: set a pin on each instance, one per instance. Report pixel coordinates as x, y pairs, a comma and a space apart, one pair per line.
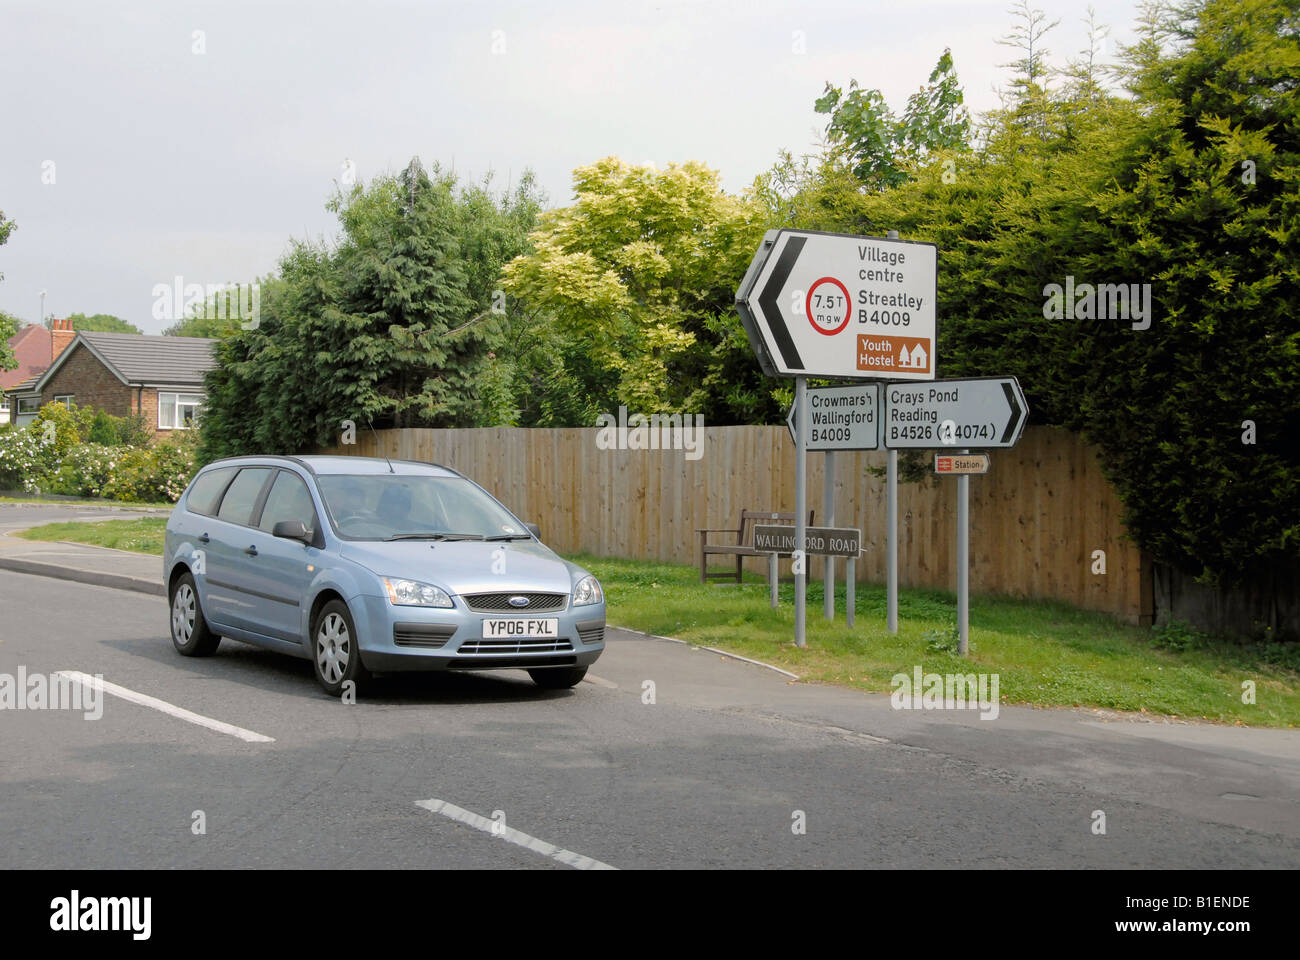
395, 639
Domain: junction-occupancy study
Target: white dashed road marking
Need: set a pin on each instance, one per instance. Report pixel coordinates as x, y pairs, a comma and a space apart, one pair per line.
498, 829
162, 706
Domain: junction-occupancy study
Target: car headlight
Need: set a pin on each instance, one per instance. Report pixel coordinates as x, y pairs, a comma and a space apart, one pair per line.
412, 593
587, 591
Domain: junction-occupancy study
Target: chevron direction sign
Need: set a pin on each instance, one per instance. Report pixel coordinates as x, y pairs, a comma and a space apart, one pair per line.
983, 413
835, 305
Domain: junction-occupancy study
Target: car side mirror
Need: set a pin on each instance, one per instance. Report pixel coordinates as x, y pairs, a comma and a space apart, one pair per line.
291, 530
534, 529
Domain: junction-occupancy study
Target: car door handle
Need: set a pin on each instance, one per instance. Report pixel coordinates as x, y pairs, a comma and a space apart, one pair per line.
251, 551
204, 538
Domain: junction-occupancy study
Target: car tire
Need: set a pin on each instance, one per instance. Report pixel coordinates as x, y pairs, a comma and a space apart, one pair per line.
558, 678
335, 652
190, 633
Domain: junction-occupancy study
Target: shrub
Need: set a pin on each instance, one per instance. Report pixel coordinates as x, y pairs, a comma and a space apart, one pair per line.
132, 431
27, 460
105, 430
87, 470
153, 474
71, 425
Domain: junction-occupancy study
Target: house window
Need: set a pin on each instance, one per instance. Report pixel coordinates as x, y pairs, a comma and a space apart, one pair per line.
178, 411
29, 405
64, 398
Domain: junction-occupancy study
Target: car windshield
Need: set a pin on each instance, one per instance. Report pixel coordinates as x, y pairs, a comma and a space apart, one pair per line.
402, 507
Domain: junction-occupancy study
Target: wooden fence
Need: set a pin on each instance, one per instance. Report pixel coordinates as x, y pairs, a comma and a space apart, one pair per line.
1036, 518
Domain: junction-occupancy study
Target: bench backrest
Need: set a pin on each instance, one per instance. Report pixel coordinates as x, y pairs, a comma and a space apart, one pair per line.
748, 518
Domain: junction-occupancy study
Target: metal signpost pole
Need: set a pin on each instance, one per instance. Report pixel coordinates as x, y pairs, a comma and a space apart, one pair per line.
828, 502
963, 562
850, 589
800, 504
891, 541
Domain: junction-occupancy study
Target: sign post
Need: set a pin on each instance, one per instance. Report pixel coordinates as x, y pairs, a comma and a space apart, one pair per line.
891, 540
842, 418
800, 507
985, 413
828, 502
891, 529
835, 305
963, 563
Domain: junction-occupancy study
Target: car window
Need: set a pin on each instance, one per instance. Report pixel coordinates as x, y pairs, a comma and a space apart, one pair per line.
241, 497
288, 500
203, 494
378, 506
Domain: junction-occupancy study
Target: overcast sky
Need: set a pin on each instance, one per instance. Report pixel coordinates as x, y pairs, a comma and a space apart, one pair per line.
166, 161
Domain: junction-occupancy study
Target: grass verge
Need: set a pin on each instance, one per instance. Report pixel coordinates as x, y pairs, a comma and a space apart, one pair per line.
1045, 653
139, 535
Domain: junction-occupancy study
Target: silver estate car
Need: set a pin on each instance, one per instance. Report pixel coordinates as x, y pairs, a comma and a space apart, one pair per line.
370, 566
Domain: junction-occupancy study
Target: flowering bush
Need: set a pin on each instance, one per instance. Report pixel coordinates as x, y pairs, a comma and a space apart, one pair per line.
49, 456
86, 470
27, 460
152, 474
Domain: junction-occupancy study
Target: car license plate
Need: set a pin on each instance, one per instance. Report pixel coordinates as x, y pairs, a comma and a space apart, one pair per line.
517, 627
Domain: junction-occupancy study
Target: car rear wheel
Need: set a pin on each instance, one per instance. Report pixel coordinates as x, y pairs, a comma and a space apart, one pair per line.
335, 650
190, 633
558, 678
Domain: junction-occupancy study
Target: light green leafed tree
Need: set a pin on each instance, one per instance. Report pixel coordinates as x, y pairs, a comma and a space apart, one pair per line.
639, 276
8, 324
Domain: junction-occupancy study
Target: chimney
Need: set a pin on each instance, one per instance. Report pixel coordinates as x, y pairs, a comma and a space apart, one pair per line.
61, 334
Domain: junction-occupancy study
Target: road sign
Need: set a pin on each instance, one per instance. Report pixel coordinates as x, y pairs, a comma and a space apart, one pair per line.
983, 413
837, 305
948, 464
821, 541
841, 418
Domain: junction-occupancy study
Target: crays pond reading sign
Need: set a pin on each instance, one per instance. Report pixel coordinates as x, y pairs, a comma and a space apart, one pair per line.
823, 304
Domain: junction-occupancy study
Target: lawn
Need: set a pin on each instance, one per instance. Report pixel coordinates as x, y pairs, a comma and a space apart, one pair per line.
1045, 654
140, 534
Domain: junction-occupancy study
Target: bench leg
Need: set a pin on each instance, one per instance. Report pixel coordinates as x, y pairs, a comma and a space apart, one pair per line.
739, 560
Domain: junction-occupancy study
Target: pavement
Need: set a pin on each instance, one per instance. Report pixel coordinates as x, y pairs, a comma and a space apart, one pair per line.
76, 561
667, 756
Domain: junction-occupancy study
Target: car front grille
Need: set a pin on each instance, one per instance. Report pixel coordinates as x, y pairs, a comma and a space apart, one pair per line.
478, 647
428, 635
591, 633
500, 602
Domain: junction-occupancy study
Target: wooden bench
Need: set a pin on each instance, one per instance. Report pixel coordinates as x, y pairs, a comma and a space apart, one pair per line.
740, 549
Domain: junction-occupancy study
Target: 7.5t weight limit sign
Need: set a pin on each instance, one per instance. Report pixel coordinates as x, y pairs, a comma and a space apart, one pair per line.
835, 305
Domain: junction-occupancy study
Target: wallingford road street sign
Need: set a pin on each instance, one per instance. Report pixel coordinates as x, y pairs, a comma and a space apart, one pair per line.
841, 418
834, 305
982, 413
820, 541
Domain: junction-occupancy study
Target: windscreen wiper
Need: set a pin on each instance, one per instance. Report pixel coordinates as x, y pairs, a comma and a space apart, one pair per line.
510, 536
436, 536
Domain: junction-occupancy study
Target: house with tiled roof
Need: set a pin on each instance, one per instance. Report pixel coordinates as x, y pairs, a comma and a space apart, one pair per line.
158, 377
35, 348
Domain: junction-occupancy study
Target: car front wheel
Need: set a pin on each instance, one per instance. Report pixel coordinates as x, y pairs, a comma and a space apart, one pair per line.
190, 633
335, 650
558, 678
